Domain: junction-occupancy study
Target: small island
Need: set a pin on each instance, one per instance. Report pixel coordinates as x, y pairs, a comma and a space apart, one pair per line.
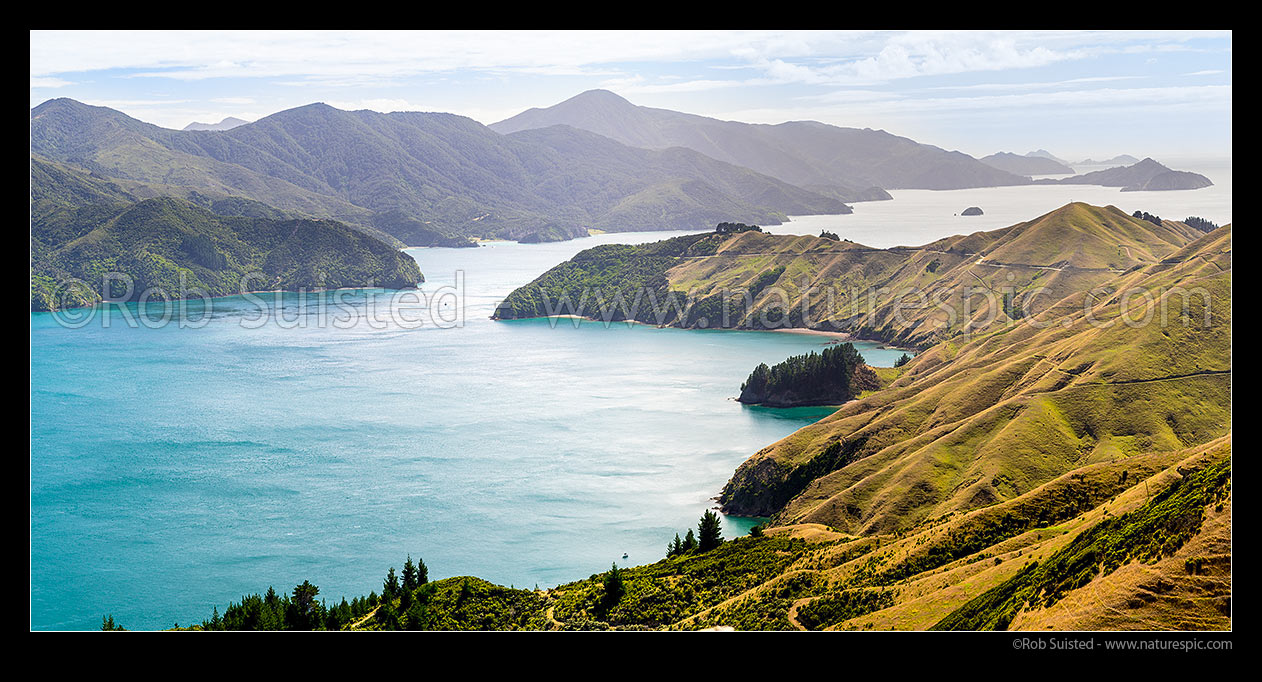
833, 377
972, 210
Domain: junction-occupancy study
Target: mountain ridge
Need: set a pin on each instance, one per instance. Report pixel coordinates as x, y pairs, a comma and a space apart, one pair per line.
227, 123
446, 171
804, 153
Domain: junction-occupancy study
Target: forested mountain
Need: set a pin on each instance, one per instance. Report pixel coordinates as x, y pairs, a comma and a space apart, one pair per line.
854, 163
177, 248
411, 171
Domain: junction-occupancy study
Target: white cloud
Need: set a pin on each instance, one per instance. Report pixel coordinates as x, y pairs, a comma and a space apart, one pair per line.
838, 108
341, 55
49, 83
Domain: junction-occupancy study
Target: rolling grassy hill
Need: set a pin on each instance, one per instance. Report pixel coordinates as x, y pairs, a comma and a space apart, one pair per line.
1067, 467
910, 296
972, 422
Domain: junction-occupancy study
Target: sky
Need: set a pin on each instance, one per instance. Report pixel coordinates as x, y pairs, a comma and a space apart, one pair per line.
1075, 93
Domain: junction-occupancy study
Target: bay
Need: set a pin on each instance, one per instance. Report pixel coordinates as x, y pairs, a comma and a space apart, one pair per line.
176, 468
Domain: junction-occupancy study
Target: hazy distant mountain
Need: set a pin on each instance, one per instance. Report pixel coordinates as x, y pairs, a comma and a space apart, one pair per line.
1146, 175
1026, 165
1122, 160
804, 153
421, 174
1044, 154
226, 124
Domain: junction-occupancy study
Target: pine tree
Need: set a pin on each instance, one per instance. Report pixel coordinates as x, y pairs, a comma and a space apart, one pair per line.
614, 590
409, 576
390, 588
304, 610
710, 531
690, 541
422, 572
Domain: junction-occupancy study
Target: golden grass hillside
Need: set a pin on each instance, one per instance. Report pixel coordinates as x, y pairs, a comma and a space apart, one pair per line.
974, 422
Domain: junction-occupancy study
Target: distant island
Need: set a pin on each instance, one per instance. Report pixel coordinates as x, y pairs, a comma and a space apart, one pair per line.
971, 210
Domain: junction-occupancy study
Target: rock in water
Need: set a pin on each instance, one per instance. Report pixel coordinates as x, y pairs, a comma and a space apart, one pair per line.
972, 210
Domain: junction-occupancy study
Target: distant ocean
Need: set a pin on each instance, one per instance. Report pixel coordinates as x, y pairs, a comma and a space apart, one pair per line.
919, 216
173, 470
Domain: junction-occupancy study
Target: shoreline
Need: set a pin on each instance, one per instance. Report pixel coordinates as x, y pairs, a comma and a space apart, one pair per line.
838, 335
177, 299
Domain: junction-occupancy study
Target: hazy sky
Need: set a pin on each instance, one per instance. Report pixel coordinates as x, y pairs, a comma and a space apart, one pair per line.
1075, 93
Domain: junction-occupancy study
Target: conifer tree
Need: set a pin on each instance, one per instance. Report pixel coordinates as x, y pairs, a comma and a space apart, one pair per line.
390, 588
709, 531
614, 589
409, 576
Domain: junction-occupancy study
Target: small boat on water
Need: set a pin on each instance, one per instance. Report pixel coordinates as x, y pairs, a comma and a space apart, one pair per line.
624, 555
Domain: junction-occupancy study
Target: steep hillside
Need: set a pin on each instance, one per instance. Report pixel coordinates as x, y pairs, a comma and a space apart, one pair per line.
974, 422
173, 246
804, 153
446, 172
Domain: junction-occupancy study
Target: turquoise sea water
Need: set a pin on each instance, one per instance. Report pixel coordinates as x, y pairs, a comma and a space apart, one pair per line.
174, 469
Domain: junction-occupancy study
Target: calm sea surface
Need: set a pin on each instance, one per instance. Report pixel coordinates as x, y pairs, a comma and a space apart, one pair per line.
175, 468
919, 216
